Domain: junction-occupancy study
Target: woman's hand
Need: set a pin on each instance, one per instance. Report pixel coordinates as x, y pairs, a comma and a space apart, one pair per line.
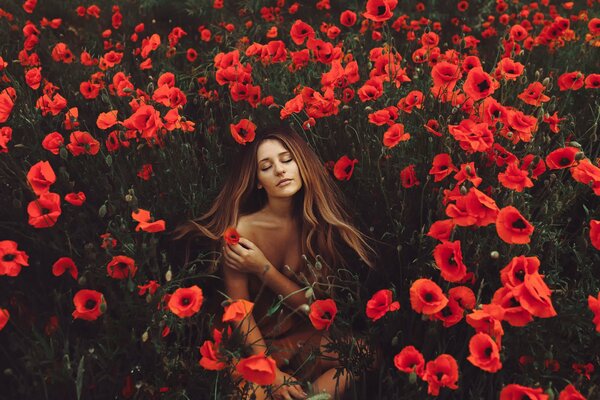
245, 257
286, 387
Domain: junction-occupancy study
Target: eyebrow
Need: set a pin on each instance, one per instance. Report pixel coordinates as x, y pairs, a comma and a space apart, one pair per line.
280, 154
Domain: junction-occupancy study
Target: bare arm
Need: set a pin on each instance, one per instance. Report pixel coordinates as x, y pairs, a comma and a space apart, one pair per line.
246, 257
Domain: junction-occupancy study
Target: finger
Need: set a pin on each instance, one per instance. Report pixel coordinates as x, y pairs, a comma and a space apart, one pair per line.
246, 243
296, 392
237, 249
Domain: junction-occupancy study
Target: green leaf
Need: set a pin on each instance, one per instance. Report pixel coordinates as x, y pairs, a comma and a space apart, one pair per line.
79, 379
108, 160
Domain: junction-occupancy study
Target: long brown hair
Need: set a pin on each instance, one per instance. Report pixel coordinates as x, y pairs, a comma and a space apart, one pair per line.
318, 206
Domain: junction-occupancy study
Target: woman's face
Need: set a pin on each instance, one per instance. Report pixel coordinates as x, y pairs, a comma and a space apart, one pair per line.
278, 173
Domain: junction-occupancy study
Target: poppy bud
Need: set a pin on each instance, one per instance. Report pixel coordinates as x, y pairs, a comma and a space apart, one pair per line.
395, 341
368, 108
463, 190
537, 75
579, 156
494, 254
546, 81
169, 275
128, 198
82, 281
550, 393
412, 378
305, 308
148, 298
575, 144
145, 336
523, 79
309, 293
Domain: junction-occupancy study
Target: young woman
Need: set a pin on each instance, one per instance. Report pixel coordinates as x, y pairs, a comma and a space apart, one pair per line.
284, 204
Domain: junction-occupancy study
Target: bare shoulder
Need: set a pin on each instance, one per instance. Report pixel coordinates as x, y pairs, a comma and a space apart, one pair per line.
247, 225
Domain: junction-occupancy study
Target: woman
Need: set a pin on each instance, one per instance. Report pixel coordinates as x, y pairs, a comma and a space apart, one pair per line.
283, 204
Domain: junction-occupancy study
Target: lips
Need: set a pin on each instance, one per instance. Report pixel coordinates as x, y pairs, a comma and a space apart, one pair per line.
283, 181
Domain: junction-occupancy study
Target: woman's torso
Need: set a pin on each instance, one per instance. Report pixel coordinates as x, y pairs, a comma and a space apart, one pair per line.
280, 242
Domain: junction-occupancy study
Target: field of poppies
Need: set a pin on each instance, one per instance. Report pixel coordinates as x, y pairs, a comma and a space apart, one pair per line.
464, 135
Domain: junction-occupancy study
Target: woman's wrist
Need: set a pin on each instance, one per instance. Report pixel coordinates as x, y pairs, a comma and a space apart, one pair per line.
263, 269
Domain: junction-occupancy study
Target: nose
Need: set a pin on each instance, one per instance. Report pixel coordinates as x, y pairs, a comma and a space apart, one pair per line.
279, 168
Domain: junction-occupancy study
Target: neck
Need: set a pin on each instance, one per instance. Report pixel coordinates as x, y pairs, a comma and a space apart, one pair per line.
280, 207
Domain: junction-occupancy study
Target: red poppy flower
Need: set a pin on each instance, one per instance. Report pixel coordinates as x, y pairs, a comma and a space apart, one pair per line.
7, 102
33, 78
380, 10
65, 264
570, 81
570, 393
4, 317
5, 137
595, 233
433, 127
348, 18
472, 136
463, 296
382, 117
427, 297
185, 302
584, 369
121, 267
146, 223
515, 178
587, 173
514, 273
448, 258
210, 357
514, 313
44, 212
82, 143
442, 167
151, 287
450, 315
508, 69
89, 305
512, 227
394, 135
445, 75
413, 99
107, 120
410, 360
592, 81
408, 177
534, 296
40, 177
380, 304
301, 31
441, 372
259, 369
231, 236
518, 392
533, 94
237, 310
441, 230
562, 158
11, 259
468, 172
322, 313
488, 320
343, 168
484, 353
243, 132
478, 84
75, 199
537, 169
